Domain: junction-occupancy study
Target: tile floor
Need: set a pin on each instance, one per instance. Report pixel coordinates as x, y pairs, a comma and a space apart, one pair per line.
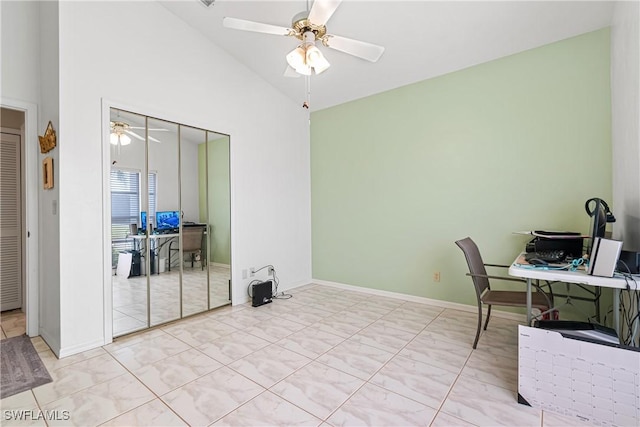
326, 357
130, 296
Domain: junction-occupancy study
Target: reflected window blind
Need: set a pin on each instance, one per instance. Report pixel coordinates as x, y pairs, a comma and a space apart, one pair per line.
125, 207
152, 197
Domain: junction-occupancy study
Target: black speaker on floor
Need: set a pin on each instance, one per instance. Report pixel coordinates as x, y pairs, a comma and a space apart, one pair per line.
135, 264
262, 293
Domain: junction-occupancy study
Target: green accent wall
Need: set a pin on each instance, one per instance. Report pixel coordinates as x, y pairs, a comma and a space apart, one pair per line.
518, 143
219, 197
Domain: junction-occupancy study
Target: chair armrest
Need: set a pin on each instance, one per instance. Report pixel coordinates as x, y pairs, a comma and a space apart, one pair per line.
497, 265
488, 276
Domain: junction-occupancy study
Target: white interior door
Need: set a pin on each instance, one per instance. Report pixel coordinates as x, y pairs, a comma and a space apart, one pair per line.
10, 223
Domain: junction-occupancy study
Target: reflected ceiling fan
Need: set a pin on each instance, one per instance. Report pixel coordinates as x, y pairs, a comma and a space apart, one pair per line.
310, 26
121, 132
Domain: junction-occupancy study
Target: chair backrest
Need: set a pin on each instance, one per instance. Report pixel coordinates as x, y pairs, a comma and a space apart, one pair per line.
192, 238
475, 263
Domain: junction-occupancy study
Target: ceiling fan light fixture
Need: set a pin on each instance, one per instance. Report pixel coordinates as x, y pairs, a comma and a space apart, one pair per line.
124, 139
297, 60
316, 60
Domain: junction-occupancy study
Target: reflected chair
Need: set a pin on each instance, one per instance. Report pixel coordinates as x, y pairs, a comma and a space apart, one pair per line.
484, 293
192, 244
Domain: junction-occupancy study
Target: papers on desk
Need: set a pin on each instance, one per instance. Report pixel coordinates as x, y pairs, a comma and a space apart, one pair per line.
553, 234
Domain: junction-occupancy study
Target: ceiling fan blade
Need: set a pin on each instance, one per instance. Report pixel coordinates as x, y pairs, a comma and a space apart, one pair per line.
133, 134
364, 50
322, 10
258, 27
290, 72
153, 129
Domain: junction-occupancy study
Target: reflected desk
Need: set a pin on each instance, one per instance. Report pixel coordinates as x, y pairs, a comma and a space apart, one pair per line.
156, 243
519, 268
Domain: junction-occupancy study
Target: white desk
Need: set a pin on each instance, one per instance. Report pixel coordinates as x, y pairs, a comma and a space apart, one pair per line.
520, 269
154, 244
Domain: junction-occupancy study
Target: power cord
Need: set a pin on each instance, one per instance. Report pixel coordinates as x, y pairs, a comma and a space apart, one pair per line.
276, 281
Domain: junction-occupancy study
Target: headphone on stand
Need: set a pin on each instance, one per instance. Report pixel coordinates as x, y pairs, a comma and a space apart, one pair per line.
599, 202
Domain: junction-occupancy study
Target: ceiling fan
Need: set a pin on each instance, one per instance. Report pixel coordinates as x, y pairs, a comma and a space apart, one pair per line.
310, 26
120, 132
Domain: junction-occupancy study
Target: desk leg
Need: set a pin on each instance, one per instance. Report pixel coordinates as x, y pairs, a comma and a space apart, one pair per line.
528, 302
616, 311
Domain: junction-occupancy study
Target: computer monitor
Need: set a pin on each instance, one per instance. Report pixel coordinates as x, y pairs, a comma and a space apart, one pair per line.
167, 220
143, 221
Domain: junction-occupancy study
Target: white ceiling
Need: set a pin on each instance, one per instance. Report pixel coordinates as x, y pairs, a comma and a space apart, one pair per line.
423, 39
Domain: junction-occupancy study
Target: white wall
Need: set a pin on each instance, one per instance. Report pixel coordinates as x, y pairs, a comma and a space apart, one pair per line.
140, 55
49, 201
625, 110
30, 74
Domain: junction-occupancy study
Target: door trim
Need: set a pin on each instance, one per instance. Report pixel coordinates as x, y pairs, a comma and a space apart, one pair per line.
30, 234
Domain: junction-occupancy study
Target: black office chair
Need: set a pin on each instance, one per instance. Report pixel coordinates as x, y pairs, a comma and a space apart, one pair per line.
484, 293
192, 244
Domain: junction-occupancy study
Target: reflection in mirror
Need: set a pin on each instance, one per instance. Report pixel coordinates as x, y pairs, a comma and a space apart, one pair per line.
164, 283
216, 156
170, 214
194, 228
128, 242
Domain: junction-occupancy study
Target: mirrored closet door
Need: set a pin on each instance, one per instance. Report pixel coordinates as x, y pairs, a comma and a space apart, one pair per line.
170, 221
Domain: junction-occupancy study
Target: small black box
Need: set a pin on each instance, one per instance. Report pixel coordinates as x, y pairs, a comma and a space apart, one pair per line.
262, 293
631, 260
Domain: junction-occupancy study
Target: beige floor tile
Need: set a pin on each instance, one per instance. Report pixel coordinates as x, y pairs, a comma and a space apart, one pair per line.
488, 405
146, 352
311, 342
374, 406
446, 420
102, 402
274, 329
78, 376
429, 348
419, 381
212, 396
175, 371
492, 369
152, 414
232, 347
269, 365
317, 388
359, 360
384, 337
327, 342
22, 400
280, 412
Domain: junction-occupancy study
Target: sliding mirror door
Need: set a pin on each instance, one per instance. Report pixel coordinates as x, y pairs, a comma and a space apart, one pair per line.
170, 215
216, 155
164, 240
128, 239
195, 235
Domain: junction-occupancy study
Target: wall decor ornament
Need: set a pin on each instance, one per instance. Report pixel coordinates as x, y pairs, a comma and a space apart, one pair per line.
48, 141
47, 173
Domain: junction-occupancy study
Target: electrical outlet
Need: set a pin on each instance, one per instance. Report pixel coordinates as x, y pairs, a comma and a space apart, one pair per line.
252, 271
271, 271
436, 276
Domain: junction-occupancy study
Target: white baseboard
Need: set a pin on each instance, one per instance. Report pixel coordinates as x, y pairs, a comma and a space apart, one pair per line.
421, 300
70, 351
53, 344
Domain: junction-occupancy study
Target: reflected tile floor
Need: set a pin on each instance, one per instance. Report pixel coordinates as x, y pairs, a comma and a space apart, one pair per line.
325, 357
130, 296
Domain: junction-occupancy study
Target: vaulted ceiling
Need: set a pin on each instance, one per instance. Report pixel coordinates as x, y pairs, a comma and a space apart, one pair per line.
422, 39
